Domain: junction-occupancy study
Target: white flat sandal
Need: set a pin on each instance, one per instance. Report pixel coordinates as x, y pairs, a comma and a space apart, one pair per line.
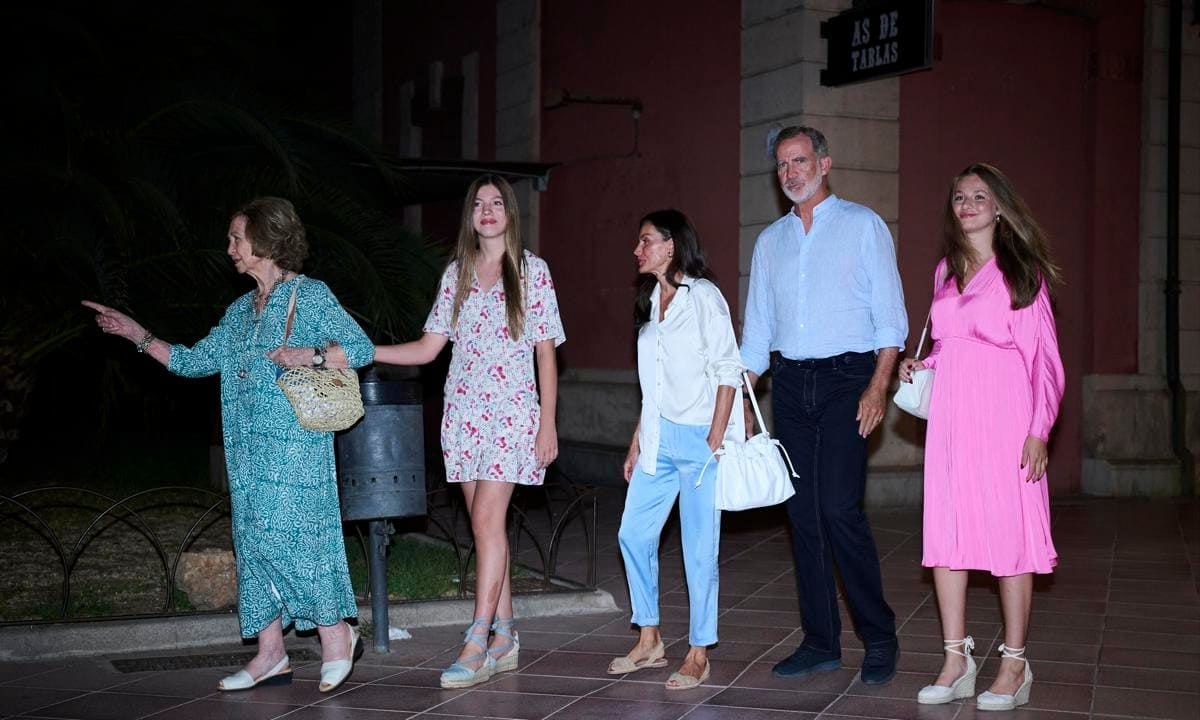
335, 673
281, 674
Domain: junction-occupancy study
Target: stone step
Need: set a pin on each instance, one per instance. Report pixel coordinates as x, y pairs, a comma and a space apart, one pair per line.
1130, 478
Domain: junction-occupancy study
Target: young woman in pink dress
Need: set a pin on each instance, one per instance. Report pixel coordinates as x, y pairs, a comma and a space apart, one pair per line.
995, 398
496, 303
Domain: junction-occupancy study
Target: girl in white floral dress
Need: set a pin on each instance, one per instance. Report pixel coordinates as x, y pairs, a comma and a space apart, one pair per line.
496, 303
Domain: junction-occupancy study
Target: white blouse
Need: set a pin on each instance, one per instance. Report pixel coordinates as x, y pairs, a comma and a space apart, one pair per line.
682, 360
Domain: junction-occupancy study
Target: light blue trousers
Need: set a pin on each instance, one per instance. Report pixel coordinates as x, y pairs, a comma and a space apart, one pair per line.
682, 452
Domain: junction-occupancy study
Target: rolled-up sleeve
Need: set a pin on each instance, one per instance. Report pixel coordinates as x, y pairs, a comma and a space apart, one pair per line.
724, 360
203, 358
759, 325
887, 295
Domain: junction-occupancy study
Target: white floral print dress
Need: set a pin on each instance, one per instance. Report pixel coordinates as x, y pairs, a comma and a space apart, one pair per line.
492, 413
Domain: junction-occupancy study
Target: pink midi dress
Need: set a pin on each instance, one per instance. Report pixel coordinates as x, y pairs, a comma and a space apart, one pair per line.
998, 380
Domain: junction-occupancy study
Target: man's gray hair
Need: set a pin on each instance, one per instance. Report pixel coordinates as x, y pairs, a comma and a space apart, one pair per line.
819, 143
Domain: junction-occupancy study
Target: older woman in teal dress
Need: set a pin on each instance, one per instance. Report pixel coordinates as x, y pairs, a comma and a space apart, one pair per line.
287, 531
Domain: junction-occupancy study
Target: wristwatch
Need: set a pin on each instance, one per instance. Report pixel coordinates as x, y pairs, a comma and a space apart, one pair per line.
318, 360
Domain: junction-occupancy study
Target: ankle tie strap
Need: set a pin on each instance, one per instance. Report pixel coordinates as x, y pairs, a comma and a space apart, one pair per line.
483, 624
1011, 652
967, 644
503, 627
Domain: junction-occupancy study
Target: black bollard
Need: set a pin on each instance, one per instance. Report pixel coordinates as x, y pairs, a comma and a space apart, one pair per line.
381, 536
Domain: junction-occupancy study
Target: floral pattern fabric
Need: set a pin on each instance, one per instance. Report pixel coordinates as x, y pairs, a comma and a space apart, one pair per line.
492, 412
287, 527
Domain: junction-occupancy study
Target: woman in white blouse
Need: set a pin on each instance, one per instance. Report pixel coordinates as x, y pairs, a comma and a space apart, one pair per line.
690, 374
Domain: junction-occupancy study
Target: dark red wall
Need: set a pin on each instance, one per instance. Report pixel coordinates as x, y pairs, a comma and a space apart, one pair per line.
682, 59
1115, 117
1015, 86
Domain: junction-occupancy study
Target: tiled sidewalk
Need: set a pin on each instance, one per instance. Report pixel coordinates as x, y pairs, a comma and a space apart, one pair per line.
1116, 633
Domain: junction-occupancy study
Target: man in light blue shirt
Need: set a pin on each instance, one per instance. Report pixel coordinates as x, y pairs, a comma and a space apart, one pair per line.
825, 312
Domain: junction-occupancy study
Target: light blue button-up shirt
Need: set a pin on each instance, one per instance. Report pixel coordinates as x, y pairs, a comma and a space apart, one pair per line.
828, 291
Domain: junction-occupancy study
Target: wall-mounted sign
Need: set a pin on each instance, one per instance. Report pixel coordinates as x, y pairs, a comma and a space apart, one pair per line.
889, 37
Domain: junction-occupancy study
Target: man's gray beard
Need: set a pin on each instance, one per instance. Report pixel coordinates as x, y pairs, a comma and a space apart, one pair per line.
806, 193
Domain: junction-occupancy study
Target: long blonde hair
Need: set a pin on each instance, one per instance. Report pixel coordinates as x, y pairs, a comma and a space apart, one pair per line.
1022, 252
512, 264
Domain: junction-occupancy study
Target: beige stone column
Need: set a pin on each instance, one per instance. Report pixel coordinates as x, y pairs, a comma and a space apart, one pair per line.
782, 56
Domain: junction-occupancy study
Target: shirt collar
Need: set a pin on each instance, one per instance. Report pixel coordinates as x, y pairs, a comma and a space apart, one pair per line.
826, 205
821, 208
656, 293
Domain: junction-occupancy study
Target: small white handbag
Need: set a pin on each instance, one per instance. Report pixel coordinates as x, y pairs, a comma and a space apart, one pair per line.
913, 398
752, 474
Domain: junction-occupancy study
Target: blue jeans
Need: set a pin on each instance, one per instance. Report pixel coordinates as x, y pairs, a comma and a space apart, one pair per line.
815, 402
682, 452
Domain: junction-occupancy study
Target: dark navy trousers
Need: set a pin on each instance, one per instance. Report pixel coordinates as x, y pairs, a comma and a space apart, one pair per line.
814, 403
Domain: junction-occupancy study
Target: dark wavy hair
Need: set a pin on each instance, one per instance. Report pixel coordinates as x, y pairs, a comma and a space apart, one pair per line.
1022, 251
688, 258
275, 231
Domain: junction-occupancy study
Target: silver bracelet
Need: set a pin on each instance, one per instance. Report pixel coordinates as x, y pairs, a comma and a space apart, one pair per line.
145, 342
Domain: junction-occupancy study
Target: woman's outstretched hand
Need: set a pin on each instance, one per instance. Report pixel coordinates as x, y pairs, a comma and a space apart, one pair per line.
115, 322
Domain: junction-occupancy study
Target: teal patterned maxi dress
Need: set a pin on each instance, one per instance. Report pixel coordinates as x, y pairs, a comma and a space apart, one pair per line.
287, 528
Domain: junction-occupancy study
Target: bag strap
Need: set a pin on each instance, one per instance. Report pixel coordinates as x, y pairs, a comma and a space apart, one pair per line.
754, 402
924, 331
782, 449
291, 315
928, 317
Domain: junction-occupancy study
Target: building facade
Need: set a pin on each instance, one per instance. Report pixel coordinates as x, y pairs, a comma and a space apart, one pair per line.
641, 106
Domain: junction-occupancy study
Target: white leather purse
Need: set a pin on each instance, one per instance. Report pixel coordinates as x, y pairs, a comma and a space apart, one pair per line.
752, 473
913, 398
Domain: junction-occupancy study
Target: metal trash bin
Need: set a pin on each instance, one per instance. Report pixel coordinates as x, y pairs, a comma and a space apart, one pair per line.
381, 475
381, 460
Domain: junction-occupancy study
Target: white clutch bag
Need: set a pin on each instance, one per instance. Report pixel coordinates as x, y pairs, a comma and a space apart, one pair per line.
753, 473
913, 398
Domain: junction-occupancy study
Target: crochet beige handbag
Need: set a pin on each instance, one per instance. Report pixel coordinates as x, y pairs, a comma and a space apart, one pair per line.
324, 399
